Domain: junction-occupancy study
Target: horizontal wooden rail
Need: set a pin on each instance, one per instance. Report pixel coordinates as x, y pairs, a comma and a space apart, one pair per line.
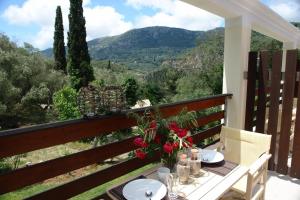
85, 183
42, 136
207, 133
32, 174
210, 118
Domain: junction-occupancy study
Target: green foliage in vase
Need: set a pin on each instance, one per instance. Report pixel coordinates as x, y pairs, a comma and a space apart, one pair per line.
27, 83
79, 67
59, 51
65, 102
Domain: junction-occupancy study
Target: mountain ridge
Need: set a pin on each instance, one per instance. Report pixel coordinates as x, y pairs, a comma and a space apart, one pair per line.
144, 47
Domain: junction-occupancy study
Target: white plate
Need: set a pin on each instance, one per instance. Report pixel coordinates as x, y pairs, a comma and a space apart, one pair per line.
211, 156
135, 190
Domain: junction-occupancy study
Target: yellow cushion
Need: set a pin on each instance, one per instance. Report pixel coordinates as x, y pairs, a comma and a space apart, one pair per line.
244, 147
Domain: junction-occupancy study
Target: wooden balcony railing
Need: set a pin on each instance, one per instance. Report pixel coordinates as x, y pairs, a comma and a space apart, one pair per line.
18, 141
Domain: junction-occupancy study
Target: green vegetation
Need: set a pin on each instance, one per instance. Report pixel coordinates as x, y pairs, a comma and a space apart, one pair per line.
131, 91
156, 63
143, 49
27, 84
28, 81
79, 68
65, 102
59, 43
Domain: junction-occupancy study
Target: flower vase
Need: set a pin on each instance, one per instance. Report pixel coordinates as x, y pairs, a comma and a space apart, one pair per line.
169, 163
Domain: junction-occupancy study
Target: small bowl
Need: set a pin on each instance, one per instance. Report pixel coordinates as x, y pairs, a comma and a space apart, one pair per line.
162, 173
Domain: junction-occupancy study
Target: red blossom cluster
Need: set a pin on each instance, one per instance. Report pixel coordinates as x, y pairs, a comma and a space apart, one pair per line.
140, 142
168, 147
173, 126
188, 142
140, 154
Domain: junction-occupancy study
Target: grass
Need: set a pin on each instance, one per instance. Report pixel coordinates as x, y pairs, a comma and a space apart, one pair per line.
31, 190
26, 192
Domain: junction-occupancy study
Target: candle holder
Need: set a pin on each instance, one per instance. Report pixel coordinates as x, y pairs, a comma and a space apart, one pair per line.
183, 169
195, 162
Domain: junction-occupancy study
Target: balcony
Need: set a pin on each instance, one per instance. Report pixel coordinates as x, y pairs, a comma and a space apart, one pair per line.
43, 136
244, 104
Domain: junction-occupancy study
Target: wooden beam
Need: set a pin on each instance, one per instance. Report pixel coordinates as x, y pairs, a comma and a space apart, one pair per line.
274, 103
287, 106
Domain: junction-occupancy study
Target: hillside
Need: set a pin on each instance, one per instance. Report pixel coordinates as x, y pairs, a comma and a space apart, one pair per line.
144, 48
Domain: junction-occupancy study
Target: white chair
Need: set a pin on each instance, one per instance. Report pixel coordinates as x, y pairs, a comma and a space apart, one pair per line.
248, 149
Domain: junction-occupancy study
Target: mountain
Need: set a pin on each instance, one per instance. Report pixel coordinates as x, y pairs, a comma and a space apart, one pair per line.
148, 48
144, 48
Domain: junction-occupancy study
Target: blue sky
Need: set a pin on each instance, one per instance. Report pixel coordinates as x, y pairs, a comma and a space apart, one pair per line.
32, 20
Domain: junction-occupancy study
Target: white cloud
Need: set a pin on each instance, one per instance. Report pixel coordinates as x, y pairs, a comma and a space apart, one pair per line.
100, 20
40, 12
290, 10
175, 13
105, 20
156, 4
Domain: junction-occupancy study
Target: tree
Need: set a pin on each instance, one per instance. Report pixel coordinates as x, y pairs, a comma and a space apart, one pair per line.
153, 92
59, 44
79, 67
27, 83
131, 88
108, 65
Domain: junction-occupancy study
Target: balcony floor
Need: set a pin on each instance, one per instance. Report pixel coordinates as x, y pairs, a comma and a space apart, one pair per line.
282, 187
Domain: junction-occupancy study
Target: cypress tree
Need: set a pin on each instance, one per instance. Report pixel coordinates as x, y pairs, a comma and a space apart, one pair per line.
79, 68
59, 44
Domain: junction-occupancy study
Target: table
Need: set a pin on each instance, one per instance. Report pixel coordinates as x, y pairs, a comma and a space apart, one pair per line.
210, 186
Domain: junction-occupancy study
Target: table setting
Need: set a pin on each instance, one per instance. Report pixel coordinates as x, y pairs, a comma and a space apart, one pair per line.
164, 183
184, 167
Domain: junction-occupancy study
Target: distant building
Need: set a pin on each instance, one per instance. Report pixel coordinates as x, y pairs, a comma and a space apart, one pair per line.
142, 103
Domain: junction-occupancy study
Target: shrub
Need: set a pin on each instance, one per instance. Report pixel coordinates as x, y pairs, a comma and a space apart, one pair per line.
65, 102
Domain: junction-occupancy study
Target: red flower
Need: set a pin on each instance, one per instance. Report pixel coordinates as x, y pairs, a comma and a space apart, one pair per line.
157, 139
174, 126
190, 140
168, 148
140, 142
175, 145
153, 124
182, 133
140, 154
144, 144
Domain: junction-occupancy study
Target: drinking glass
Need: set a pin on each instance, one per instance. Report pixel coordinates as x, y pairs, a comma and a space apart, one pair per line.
172, 186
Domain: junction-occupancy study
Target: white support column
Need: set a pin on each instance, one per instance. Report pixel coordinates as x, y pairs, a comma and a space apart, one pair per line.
237, 47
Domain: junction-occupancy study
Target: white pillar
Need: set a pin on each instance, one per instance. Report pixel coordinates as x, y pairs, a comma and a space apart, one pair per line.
286, 46
237, 47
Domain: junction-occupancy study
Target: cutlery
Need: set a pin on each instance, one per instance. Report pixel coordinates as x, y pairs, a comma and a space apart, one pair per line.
148, 193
